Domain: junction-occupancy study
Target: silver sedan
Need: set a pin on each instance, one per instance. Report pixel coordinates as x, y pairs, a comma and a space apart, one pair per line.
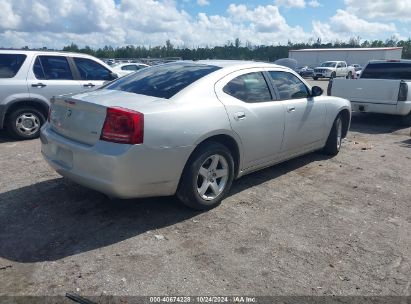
189, 128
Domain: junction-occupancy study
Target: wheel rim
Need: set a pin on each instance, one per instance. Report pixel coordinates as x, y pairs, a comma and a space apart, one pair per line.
339, 133
27, 123
212, 177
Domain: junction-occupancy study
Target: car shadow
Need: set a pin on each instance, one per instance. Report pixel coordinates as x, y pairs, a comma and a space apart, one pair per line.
273, 172
4, 137
373, 123
406, 143
54, 219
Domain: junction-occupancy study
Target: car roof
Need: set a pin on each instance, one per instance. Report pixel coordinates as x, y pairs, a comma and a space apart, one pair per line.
391, 61
48, 52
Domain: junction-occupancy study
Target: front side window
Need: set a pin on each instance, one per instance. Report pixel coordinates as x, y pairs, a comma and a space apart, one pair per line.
91, 70
163, 81
52, 68
288, 85
10, 64
250, 87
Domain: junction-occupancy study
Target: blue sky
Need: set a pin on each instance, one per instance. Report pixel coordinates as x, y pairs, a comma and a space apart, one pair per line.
193, 23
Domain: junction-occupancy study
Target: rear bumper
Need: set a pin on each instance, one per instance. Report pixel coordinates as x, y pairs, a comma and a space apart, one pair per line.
401, 108
121, 171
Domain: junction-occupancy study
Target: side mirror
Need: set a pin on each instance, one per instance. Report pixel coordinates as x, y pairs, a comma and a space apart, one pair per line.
316, 91
113, 75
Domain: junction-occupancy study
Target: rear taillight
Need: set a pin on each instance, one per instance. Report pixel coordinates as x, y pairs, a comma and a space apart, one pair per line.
123, 126
403, 93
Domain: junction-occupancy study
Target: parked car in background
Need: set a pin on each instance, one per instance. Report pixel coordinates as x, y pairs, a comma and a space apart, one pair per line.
189, 128
126, 68
305, 71
356, 67
333, 69
28, 79
383, 87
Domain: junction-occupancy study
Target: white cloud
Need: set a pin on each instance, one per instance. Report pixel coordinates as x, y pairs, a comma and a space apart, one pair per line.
203, 2
291, 3
348, 23
96, 23
380, 9
314, 3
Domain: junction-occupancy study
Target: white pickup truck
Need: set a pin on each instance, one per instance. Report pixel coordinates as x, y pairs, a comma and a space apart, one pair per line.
332, 69
383, 87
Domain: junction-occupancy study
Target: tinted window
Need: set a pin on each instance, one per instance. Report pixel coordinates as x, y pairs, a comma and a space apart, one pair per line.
250, 87
162, 81
52, 67
10, 64
91, 70
389, 70
289, 86
130, 67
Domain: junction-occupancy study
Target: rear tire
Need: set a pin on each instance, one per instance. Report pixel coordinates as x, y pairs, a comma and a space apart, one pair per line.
25, 123
207, 177
333, 145
315, 78
406, 120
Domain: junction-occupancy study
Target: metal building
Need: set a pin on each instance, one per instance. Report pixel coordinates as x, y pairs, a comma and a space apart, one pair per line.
314, 57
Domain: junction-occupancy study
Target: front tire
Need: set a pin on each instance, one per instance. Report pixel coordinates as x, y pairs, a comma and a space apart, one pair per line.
315, 78
334, 140
207, 177
349, 76
333, 75
25, 123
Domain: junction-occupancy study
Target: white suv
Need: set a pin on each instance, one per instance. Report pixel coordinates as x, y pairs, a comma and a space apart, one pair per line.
28, 79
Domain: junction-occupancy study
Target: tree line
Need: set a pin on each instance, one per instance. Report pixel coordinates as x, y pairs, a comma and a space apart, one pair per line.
232, 49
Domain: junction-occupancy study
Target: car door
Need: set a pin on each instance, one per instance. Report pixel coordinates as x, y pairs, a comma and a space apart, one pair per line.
51, 75
254, 113
91, 73
304, 115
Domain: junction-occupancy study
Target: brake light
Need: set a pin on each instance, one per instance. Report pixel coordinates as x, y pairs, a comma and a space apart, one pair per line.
403, 92
123, 126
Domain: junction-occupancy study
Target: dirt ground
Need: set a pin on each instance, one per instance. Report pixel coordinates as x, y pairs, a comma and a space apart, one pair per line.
311, 226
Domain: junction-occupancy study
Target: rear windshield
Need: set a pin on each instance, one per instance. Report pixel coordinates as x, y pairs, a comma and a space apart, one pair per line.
163, 81
10, 64
387, 70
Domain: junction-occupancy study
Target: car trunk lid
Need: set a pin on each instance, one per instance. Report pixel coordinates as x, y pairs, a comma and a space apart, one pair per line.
81, 117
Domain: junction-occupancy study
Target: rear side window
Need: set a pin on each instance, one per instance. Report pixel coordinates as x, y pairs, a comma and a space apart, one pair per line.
10, 64
52, 68
388, 70
91, 70
289, 86
250, 87
163, 81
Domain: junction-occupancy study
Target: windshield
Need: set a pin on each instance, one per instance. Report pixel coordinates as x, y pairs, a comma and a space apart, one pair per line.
162, 81
329, 64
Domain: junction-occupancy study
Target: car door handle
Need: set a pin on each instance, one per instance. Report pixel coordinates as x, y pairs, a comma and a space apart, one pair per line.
38, 85
290, 109
89, 85
239, 116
